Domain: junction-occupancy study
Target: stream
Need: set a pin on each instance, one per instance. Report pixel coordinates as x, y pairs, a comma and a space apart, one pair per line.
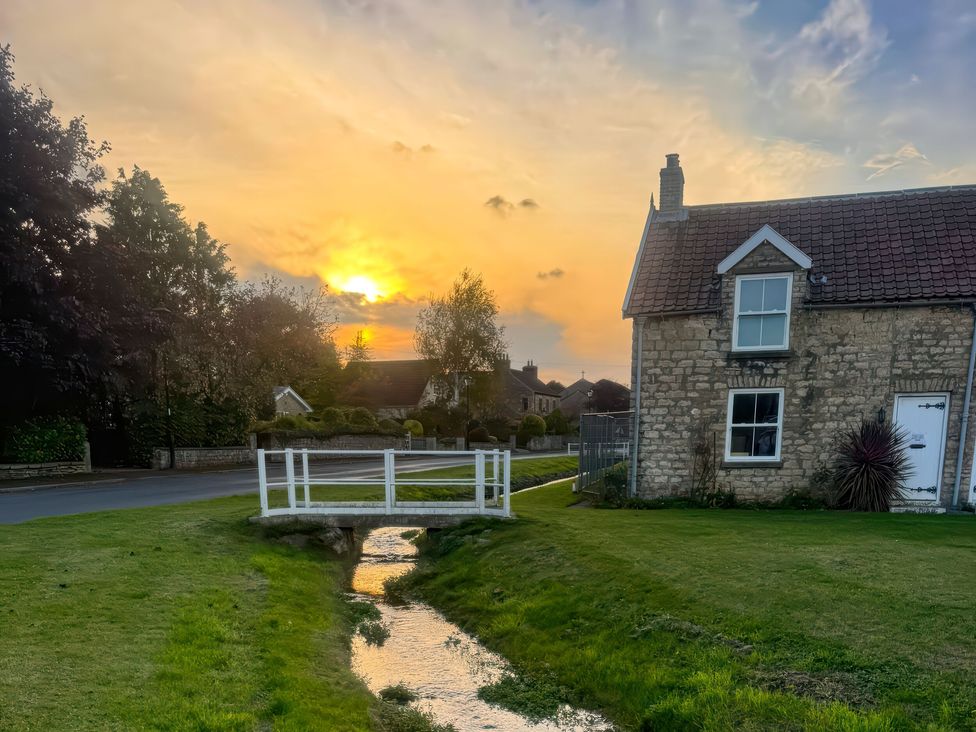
434, 658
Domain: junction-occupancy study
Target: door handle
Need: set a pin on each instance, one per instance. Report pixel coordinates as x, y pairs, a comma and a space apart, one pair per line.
916, 447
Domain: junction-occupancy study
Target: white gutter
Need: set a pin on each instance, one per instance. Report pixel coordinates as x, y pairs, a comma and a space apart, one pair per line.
964, 425
635, 438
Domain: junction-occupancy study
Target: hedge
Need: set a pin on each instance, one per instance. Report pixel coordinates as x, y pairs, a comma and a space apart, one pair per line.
47, 440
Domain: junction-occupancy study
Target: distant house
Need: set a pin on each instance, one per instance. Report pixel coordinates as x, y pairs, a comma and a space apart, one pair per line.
391, 388
396, 388
586, 396
287, 401
574, 399
525, 393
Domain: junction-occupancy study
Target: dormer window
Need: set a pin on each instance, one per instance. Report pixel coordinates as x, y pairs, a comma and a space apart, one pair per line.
762, 312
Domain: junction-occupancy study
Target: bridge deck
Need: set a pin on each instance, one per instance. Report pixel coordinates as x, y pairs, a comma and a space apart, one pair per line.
368, 520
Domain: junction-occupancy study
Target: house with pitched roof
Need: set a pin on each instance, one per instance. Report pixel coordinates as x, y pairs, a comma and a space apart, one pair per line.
391, 388
762, 330
287, 401
396, 388
525, 393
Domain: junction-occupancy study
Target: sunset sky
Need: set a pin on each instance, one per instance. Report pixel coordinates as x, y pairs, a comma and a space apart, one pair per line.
380, 147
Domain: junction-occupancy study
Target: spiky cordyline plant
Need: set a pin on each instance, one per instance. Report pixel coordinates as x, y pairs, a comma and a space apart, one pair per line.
871, 466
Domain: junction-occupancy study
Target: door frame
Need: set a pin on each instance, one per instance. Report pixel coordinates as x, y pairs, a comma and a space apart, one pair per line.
945, 432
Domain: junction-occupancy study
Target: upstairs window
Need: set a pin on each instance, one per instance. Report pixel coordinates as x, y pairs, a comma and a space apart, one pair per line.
755, 425
762, 312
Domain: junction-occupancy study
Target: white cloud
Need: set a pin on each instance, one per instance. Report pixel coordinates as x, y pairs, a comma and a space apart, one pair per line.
884, 163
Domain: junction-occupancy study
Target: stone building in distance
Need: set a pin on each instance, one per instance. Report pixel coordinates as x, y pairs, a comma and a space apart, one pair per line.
763, 330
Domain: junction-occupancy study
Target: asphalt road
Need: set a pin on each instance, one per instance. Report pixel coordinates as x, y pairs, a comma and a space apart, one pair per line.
134, 489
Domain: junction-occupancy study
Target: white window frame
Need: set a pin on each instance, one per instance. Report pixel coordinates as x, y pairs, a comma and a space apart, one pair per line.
735, 311
728, 429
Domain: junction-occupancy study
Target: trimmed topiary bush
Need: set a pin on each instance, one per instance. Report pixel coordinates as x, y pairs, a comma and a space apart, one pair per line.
556, 423
390, 425
361, 417
47, 440
871, 466
479, 434
414, 427
332, 417
533, 425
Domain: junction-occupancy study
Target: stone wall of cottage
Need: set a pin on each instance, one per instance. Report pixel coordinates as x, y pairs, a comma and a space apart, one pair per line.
288, 404
843, 364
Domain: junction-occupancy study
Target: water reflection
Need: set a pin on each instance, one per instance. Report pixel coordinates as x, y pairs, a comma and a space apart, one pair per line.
434, 658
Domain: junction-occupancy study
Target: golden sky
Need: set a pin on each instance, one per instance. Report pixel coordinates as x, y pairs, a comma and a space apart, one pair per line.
381, 147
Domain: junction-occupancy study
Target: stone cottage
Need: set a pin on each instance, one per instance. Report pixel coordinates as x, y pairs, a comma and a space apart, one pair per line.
762, 330
287, 401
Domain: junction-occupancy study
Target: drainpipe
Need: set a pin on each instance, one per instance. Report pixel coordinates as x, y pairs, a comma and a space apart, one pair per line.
635, 437
964, 424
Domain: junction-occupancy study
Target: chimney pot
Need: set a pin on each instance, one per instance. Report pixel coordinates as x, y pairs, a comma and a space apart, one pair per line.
672, 184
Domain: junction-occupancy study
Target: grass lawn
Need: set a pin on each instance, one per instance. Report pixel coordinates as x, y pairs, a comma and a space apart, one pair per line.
525, 472
711, 619
179, 618
172, 618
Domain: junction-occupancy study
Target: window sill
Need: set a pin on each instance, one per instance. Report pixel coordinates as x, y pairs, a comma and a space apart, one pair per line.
760, 355
736, 464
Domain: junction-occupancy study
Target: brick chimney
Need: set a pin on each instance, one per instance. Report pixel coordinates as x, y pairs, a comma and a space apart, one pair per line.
672, 185
531, 370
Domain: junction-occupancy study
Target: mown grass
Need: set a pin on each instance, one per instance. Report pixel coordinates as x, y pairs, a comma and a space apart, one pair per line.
172, 618
708, 619
525, 472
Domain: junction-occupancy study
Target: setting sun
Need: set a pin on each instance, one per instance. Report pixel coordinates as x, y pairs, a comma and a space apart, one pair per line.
361, 284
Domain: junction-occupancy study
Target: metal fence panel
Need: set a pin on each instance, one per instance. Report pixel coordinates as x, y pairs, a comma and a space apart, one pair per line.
605, 441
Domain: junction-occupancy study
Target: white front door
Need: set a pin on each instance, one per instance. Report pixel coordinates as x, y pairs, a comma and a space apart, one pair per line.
923, 418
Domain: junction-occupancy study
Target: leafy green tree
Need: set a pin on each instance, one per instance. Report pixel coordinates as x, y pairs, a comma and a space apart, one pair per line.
459, 332
556, 423
53, 344
283, 335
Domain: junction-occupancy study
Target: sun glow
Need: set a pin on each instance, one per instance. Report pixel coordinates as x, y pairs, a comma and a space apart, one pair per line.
363, 285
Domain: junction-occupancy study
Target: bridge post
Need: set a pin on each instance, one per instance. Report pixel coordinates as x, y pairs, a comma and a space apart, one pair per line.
507, 484
290, 476
494, 477
389, 479
479, 479
262, 482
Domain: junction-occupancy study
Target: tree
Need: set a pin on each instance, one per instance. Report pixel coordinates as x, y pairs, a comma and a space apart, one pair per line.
459, 332
53, 344
167, 286
358, 349
609, 396
280, 335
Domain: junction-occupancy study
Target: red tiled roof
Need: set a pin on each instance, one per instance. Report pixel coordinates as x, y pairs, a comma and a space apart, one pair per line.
898, 246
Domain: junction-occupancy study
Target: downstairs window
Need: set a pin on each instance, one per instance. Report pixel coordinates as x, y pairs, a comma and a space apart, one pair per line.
754, 425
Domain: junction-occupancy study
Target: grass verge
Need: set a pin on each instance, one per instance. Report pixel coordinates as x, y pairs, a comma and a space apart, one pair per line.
720, 619
172, 618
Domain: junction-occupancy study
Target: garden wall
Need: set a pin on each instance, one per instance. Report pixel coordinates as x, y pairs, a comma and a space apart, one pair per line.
546, 443
188, 458
338, 442
22, 471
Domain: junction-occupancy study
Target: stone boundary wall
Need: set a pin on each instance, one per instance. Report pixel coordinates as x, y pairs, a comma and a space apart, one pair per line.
22, 471
545, 443
338, 442
188, 458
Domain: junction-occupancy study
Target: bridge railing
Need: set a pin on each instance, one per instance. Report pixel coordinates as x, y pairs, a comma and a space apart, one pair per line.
489, 485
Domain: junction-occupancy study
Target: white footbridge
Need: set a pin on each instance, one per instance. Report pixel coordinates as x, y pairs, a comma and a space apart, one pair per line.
367, 488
